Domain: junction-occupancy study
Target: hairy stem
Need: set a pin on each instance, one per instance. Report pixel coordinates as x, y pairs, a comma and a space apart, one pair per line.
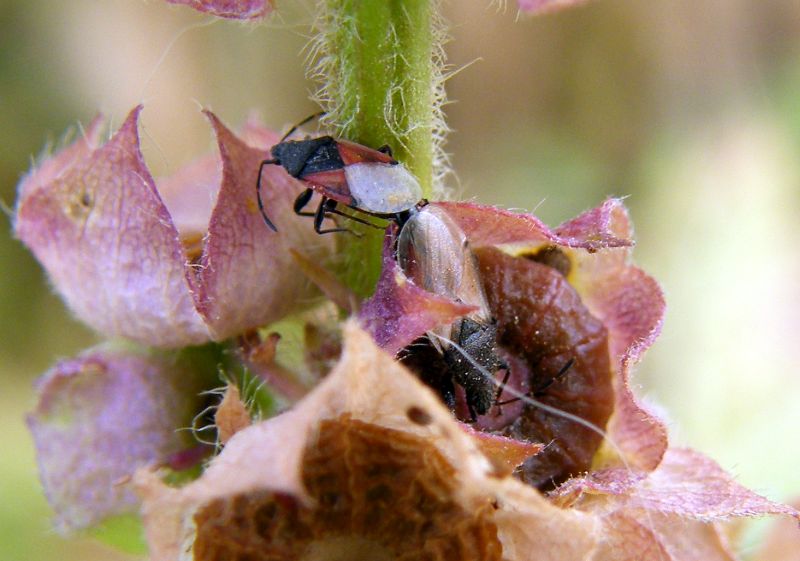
379, 64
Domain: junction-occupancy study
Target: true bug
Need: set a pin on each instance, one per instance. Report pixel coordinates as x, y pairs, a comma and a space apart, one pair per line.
433, 252
342, 172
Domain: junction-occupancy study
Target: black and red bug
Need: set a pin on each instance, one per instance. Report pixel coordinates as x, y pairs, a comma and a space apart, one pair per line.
368, 181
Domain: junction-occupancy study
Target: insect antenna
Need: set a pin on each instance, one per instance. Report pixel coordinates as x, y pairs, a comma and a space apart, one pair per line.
267, 221
301, 123
535, 403
538, 391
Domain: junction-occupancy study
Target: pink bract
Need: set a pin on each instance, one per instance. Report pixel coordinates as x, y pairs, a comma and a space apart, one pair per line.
195, 265
230, 9
547, 6
101, 416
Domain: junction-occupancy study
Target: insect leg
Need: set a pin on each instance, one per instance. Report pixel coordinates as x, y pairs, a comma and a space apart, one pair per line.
567, 366
539, 391
301, 201
267, 221
336, 211
502, 386
322, 211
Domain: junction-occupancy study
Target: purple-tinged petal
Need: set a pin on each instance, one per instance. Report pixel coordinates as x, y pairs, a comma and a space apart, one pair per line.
692, 485
633, 430
198, 264
546, 6
631, 305
598, 228
247, 275
109, 245
686, 484
399, 311
52, 167
487, 225
673, 512
230, 9
100, 417
627, 299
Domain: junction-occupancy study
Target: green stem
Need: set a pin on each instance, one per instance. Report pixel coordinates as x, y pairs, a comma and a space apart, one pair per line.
379, 65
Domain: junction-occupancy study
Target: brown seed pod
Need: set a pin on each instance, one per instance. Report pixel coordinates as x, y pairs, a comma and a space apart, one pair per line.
543, 326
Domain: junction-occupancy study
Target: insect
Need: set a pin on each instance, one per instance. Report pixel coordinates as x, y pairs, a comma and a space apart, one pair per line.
434, 253
345, 173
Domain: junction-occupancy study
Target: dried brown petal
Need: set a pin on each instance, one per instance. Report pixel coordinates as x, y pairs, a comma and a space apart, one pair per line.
542, 321
377, 493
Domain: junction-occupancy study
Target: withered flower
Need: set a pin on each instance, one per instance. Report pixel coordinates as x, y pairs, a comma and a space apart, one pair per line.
371, 465
572, 314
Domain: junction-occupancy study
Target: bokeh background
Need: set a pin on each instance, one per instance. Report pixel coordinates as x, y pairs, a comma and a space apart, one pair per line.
691, 108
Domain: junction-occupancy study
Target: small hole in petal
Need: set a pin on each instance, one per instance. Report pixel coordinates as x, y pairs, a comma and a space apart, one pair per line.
80, 205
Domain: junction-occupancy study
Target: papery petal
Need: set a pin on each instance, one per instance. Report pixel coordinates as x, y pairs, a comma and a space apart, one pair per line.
630, 540
53, 166
686, 483
661, 538
230, 9
669, 513
628, 300
546, 6
106, 239
374, 416
399, 311
631, 304
487, 225
94, 219
247, 276
101, 416
692, 485
506, 454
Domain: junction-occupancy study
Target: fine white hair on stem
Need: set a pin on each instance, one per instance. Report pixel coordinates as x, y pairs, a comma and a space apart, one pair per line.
249, 386
326, 67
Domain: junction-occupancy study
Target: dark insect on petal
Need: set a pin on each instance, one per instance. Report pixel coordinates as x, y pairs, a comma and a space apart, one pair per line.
564, 353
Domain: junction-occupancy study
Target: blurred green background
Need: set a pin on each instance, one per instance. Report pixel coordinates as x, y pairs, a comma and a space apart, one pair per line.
689, 107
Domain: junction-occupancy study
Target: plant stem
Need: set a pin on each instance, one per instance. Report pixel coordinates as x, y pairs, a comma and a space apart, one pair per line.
379, 66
